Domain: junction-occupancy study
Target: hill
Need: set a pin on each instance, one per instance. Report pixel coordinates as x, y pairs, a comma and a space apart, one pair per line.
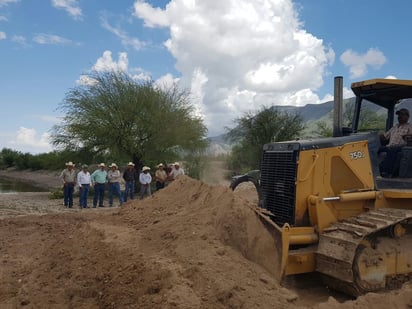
310, 113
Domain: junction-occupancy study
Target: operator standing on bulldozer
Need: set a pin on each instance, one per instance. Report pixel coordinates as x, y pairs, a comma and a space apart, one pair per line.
395, 139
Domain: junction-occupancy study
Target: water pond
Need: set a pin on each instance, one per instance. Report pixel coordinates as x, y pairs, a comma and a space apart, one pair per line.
12, 186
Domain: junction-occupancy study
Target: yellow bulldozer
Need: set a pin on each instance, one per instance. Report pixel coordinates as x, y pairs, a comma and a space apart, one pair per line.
327, 207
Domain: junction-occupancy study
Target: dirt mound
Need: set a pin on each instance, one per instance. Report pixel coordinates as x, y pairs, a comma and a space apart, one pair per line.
208, 232
190, 245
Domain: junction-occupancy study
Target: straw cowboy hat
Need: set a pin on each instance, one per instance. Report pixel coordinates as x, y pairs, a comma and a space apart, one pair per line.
69, 163
145, 168
102, 165
130, 164
176, 163
160, 165
113, 165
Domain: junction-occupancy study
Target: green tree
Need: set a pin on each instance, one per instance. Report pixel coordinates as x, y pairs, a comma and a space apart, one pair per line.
254, 130
8, 157
124, 119
368, 120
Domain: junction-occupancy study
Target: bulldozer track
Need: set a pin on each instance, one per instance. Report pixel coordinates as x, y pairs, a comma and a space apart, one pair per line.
341, 250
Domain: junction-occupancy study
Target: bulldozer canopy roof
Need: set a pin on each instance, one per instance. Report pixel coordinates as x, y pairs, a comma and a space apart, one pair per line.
383, 92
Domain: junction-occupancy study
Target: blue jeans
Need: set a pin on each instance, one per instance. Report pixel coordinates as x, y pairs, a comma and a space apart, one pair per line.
84, 193
99, 189
115, 188
68, 194
129, 190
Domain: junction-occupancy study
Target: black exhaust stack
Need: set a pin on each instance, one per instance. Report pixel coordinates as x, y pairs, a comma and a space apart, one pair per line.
338, 106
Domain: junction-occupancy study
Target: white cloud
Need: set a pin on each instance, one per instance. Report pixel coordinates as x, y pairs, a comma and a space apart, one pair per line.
152, 17
3, 18
51, 39
391, 77
70, 6
28, 140
358, 64
106, 64
237, 55
126, 40
21, 40
3, 35
166, 81
7, 2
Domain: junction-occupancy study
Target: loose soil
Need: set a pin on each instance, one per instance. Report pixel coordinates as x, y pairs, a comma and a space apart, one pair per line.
191, 245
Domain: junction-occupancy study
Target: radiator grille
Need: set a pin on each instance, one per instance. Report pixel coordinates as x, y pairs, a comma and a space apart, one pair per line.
278, 176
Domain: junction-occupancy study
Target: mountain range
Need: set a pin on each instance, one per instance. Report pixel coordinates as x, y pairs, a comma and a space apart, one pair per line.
310, 114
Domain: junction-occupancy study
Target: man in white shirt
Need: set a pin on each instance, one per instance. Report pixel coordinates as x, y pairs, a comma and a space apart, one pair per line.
176, 171
83, 180
145, 180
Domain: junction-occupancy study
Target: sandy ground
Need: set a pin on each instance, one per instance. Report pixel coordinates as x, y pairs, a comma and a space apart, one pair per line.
191, 245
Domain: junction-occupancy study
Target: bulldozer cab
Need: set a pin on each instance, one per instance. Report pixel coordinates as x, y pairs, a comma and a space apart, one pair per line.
383, 97
386, 94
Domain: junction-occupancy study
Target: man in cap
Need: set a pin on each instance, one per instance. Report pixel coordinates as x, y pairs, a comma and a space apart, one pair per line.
145, 180
99, 180
176, 171
129, 176
83, 180
114, 178
160, 177
395, 139
68, 176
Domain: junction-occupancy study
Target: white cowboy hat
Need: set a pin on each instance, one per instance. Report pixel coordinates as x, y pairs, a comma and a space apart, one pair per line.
113, 165
145, 168
102, 165
69, 163
160, 164
130, 164
176, 163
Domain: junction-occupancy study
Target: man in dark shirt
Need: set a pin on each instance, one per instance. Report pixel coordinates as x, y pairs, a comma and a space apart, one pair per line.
129, 176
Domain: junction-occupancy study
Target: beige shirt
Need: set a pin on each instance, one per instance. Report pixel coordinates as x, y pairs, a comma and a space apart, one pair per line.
68, 176
396, 133
114, 176
160, 175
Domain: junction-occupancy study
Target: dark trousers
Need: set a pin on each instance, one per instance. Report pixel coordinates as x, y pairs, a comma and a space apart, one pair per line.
129, 190
99, 189
159, 185
68, 194
387, 166
84, 193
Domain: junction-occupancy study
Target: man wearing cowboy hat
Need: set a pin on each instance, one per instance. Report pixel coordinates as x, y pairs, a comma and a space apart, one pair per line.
68, 176
114, 177
129, 176
99, 180
83, 181
160, 177
176, 171
145, 179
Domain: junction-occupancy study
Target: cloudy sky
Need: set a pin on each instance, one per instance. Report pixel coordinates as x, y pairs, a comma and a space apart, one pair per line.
234, 55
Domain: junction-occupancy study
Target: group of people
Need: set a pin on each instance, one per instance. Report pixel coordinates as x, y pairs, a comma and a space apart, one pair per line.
100, 178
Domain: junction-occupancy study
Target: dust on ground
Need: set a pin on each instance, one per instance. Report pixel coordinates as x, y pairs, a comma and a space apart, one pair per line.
190, 245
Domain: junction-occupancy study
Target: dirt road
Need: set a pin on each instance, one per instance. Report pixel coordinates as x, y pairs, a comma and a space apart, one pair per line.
191, 245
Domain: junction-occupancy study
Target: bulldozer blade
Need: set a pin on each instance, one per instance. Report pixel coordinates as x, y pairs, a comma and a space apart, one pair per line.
280, 244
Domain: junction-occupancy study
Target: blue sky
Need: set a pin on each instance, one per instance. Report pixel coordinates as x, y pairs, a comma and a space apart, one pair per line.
234, 55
